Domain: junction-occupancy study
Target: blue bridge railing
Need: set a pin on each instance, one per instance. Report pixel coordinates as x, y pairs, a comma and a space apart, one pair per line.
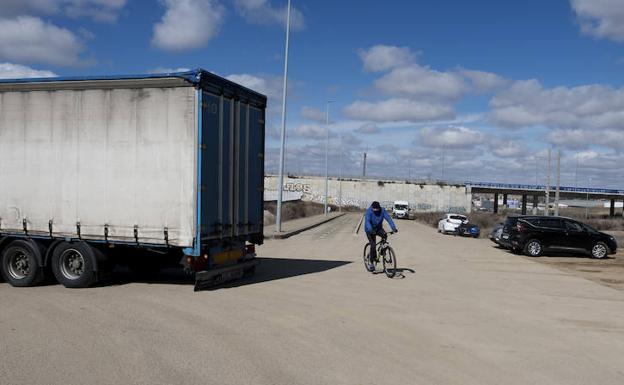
510, 186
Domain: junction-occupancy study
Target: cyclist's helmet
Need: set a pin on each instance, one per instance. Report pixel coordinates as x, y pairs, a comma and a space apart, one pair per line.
376, 206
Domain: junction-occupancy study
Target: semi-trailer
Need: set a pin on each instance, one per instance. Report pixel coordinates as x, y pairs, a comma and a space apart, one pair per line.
143, 170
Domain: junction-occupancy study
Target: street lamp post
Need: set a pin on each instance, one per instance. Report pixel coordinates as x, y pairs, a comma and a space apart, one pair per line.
587, 201
280, 182
340, 178
327, 154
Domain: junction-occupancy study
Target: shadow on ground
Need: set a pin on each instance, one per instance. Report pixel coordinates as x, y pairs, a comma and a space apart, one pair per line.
559, 254
399, 272
269, 269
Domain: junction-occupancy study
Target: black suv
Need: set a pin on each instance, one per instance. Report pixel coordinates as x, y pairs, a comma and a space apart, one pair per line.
535, 234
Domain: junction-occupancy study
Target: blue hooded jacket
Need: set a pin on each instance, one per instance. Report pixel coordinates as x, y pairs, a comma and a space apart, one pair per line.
375, 221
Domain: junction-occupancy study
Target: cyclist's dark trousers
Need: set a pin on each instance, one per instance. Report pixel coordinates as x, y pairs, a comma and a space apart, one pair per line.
373, 242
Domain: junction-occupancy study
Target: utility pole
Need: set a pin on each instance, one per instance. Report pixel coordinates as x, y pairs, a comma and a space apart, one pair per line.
536, 168
280, 182
443, 160
576, 172
558, 183
327, 155
548, 186
340, 178
587, 200
364, 167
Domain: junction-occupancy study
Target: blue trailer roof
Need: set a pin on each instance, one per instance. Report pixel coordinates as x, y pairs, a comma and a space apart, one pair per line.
197, 77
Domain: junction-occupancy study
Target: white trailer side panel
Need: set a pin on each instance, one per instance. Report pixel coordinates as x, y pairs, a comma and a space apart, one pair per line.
121, 157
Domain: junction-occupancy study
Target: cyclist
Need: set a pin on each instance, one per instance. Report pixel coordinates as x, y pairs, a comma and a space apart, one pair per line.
375, 215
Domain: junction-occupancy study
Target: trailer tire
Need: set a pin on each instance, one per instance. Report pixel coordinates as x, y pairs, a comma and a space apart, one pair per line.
20, 264
74, 265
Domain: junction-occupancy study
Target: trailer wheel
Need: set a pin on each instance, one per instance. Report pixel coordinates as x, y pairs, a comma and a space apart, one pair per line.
20, 264
73, 264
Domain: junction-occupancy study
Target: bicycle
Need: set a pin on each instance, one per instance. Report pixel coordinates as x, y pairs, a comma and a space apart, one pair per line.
388, 257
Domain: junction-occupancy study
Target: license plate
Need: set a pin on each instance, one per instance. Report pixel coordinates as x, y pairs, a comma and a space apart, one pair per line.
505, 236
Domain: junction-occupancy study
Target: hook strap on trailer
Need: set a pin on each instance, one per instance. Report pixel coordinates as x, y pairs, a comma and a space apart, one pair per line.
136, 234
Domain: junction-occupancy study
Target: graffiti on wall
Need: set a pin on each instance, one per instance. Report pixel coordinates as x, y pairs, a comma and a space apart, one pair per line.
298, 187
424, 206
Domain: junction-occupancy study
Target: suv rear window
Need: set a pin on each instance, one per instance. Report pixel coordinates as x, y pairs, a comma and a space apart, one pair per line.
458, 217
533, 221
511, 221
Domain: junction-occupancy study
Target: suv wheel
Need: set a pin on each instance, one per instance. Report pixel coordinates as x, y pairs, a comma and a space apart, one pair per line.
533, 248
600, 250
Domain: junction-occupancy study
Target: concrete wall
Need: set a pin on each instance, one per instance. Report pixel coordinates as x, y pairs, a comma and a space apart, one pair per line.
360, 193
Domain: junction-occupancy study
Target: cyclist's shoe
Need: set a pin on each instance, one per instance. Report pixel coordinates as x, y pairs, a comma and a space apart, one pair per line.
371, 265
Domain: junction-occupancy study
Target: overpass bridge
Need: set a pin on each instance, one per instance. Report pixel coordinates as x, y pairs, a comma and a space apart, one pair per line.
526, 190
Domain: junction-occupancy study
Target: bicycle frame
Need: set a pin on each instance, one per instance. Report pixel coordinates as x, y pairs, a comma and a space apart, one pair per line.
381, 246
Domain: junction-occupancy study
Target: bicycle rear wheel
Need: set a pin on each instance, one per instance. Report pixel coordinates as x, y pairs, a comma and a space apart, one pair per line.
367, 263
389, 262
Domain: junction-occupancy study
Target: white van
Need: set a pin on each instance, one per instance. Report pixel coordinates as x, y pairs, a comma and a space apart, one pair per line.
400, 210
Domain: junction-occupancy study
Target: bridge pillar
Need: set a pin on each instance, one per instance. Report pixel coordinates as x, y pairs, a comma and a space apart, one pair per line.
524, 204
612, 208
505, 200
535, 204
495, 203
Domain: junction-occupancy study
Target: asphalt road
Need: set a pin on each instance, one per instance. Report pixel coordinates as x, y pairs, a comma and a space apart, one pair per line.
466, 313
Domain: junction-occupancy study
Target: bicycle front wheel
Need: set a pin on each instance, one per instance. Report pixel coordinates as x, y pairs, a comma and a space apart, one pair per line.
389, 262
367, 263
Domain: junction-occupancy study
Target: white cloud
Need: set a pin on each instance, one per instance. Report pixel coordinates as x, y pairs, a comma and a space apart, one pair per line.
508, 148
584, 138
188, 24
17, 71
528, 103
368, 128
30, 39
269, 85
601, 18
398, 110
385, 57
164, 70
98, 10
484, 81
313, 114
416, 93
421, 82
263, 13
451, 137
311, 131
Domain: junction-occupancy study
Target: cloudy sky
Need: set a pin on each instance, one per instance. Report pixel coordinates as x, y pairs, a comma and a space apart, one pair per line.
450, 90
